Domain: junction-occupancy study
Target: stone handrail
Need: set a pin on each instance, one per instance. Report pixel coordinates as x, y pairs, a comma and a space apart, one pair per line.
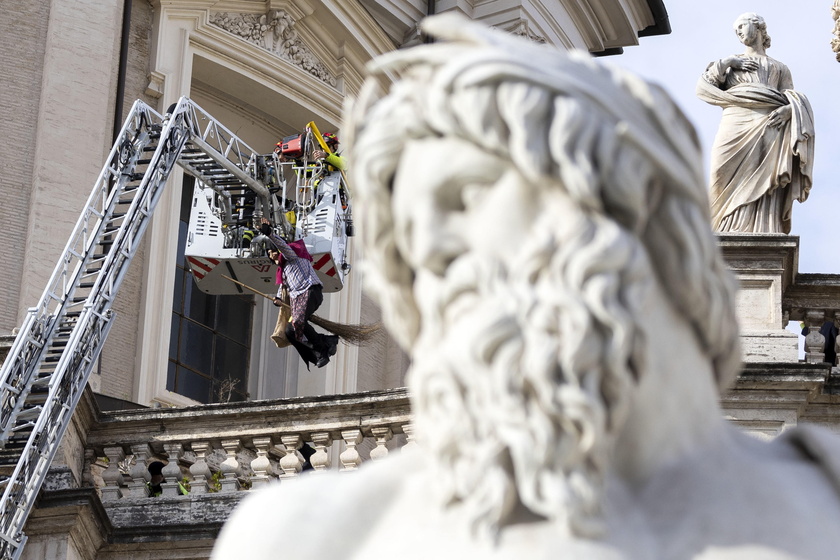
226, 447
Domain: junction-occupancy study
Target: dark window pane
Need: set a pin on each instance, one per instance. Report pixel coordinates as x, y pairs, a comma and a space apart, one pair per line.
234, 317
173, 336
178, 292
170, 376
196, 347
193, 386
183, 227
234, 396
231, 361
202, 322
187, 188
199, 306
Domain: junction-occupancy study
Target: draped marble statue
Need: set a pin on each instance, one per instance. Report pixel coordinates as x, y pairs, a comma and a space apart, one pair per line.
536, 231
763, 155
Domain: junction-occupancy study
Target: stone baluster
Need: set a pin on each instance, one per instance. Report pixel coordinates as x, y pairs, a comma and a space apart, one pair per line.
261, 465
408, 430
814, 341
172, 471
320, 460
139, 471
383, 434
112, 476
837, 340
88, 476
291, 462
199, 470
230, 466
350, 458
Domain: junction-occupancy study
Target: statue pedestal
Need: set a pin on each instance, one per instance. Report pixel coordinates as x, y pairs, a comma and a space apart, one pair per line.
765, 265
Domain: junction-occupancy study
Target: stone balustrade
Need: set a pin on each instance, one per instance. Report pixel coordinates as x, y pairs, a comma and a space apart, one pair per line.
234, 446
814, 299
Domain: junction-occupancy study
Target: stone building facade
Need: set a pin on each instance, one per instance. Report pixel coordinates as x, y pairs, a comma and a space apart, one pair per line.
264, 68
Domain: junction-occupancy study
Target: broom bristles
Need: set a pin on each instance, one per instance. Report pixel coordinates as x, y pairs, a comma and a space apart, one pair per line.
351, 334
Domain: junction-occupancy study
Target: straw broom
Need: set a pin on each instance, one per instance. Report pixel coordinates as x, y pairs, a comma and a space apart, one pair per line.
351, 334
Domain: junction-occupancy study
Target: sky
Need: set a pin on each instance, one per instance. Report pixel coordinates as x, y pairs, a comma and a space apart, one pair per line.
801, 32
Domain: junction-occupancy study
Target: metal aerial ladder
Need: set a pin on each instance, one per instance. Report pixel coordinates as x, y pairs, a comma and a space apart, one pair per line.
54, 352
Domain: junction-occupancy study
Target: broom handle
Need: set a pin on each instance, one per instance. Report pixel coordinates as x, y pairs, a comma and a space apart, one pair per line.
247, 287
323, 323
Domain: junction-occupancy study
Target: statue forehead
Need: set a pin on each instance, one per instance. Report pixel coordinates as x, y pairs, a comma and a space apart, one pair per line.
749, 17
438, 162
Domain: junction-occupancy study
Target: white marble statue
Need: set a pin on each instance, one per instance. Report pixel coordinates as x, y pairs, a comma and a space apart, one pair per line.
763, 155
536, 230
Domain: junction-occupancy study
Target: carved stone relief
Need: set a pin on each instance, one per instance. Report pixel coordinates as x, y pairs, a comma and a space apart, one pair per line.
522, 29
274, 31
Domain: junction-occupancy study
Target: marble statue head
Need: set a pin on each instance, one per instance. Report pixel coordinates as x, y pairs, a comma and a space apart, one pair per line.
516, 204
758, 22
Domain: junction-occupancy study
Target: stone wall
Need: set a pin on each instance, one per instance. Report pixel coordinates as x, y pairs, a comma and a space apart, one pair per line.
117, 363
382, 363
24, 33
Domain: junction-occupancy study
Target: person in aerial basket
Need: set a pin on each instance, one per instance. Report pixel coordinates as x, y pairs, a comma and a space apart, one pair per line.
296, 272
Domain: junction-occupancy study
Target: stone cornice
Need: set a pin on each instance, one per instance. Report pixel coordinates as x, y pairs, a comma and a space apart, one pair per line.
768, 251
766, 375
187, 518
247, 419
813, 292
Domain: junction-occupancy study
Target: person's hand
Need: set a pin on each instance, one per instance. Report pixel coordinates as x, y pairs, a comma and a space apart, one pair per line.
779, 117
277, 301
319, 154
743, 63
265, 226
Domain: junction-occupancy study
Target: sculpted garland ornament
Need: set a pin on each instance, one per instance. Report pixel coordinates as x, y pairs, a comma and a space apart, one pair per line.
274, 32
835, 43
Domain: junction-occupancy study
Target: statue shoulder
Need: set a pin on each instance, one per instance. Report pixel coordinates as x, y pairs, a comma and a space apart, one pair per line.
327, 510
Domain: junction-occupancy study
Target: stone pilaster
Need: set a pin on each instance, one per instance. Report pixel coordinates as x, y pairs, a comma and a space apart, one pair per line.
765, 265
67, 524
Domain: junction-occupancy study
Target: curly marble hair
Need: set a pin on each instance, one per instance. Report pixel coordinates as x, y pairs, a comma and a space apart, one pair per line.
520, 370
759, 23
